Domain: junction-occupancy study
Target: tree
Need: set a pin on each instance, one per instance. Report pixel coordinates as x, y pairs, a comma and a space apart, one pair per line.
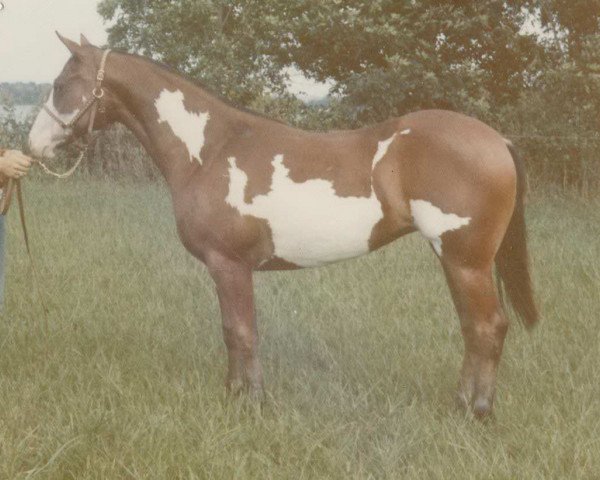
385, 56
217, 42
389, 57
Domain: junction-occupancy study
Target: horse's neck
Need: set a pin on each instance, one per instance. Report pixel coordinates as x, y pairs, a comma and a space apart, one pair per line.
139, 85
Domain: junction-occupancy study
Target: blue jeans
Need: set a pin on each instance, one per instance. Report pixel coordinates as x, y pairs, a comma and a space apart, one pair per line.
2, 245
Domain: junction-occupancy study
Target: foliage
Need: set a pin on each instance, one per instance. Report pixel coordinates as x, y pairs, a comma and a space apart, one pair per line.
217, 42
13, 132
390, 57
386, 57
23, 93
540, 86
557, 114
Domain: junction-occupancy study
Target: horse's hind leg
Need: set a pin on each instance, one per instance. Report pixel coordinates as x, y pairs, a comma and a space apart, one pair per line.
483, 326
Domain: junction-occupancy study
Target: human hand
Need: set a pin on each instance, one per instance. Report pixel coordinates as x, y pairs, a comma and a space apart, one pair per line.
14, 164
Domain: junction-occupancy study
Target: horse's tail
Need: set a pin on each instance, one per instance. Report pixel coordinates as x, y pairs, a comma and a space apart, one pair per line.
512, 259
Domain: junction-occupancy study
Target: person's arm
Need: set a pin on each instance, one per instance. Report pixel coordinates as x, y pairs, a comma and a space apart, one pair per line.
13, 164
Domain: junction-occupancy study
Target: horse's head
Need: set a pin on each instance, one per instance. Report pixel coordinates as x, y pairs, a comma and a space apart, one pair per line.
75, 101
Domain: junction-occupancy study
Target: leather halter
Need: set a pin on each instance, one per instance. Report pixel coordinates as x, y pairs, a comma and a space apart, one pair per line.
97, 94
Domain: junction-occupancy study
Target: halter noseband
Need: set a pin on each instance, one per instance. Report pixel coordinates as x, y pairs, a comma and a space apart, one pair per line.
97, 94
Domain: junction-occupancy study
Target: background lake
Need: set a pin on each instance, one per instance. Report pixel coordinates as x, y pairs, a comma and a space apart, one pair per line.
21, 111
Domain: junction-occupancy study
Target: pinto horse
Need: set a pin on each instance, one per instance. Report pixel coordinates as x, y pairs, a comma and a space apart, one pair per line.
250, 193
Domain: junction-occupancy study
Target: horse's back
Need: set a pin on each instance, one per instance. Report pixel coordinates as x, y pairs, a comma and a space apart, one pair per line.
467, 141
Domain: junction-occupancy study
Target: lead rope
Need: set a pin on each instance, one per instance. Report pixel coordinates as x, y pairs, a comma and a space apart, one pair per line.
12, 185
15, 184
82, 153
63, 175
34, 272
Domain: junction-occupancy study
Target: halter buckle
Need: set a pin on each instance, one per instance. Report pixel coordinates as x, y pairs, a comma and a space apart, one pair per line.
97, 92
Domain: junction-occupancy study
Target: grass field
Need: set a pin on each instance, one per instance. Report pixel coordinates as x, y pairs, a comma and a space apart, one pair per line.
361, 359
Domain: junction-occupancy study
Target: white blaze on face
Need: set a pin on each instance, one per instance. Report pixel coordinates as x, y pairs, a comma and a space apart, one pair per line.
433, 223
310, 224
46, 133
187, 126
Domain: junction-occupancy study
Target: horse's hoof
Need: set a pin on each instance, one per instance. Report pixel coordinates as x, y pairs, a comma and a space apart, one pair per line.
482, 409
462, 402
234, 388
256, 393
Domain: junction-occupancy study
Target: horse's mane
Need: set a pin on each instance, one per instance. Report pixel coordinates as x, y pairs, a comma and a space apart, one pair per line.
198, 83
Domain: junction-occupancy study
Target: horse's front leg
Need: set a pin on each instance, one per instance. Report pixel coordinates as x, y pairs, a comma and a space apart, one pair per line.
233, 280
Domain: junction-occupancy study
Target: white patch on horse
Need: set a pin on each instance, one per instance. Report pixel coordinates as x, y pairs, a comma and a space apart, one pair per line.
382, 148
46, 133
433, 223
187, 126
310, 224
405, 131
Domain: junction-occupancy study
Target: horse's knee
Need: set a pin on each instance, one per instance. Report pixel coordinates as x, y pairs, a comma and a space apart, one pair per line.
240, 338
488, 334
499, 324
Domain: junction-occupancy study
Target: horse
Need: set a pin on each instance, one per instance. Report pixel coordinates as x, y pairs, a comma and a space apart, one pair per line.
251, 193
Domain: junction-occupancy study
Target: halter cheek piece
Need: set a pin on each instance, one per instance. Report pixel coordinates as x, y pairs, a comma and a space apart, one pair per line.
97, 94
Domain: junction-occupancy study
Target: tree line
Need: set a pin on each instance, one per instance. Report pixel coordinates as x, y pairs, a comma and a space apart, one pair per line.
22, 93
529, 68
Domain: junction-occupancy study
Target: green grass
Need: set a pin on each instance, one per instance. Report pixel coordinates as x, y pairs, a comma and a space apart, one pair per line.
361, 359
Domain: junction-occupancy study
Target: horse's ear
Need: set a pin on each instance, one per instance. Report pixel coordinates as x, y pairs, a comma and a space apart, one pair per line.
84, 41
70, 44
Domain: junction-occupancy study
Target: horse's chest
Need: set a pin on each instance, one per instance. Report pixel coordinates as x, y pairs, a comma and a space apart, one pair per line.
310, 224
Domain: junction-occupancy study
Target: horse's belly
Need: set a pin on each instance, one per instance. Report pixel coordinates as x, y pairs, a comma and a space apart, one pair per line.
320, 232
310, 224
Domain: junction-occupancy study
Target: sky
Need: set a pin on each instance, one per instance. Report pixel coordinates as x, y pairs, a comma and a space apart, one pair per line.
30, 51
